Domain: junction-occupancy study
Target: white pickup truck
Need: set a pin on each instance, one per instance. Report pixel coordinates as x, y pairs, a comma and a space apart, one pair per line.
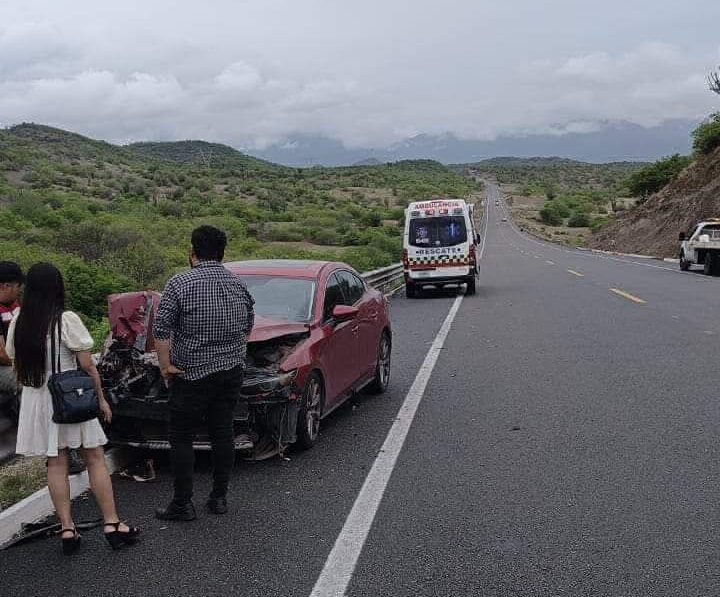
701, 246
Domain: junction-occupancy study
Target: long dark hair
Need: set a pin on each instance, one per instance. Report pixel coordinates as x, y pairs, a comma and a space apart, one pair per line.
42, 307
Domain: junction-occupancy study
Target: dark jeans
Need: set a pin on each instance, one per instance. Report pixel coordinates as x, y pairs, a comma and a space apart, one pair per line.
209, 401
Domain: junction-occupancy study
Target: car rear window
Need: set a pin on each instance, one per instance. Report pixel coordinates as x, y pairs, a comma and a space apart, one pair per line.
277, 297
444, 231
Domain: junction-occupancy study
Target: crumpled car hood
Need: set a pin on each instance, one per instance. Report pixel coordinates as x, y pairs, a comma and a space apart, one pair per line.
269, 329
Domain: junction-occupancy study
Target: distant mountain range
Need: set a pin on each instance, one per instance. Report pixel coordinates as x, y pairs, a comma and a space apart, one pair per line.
615, 142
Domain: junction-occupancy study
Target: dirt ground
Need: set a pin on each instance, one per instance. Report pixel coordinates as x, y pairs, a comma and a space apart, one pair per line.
526, 214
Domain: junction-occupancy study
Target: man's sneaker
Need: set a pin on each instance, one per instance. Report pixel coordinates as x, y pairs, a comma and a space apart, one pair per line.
76, 464
217, 505
175, 511
243, 442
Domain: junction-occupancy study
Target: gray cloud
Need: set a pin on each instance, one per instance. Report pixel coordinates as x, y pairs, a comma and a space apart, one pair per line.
254, 72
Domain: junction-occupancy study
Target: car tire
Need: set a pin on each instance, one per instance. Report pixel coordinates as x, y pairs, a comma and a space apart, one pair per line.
471, 288
382, 368
710, 264
311, 409
715, 264
410, 290
684, 265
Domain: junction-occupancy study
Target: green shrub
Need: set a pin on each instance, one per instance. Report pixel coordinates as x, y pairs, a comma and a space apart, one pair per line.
554, 212
654, 177
706, 137
579, 220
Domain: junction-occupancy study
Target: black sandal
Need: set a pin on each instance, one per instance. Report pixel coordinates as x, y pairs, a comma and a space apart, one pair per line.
70, 544
117, 538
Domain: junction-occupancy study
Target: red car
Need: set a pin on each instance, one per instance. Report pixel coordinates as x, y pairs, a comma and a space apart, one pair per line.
321, 334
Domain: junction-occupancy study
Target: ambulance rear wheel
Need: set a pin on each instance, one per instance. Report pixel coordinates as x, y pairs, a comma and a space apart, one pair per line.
410, 290
470, 287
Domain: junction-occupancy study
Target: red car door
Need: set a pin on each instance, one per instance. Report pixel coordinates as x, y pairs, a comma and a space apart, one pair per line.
340, 348
359, 296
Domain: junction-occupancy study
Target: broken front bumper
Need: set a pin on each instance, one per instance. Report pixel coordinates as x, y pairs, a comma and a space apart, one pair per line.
267, 409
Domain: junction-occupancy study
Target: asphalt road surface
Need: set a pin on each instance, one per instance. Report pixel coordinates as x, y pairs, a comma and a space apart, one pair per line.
566, 443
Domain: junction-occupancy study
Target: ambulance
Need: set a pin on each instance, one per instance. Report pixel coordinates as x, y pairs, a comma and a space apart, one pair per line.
439, 245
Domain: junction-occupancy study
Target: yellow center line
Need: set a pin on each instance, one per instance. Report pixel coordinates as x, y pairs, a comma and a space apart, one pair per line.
574, 273
628, 296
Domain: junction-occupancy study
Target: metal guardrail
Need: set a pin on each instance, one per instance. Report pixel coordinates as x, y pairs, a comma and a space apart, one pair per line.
385, 279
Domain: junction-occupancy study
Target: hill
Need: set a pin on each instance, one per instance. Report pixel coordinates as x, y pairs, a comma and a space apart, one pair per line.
200, 153
535, 175
119, 217
652, 228
612, 141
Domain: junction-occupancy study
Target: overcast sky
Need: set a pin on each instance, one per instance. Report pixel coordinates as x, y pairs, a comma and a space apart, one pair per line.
368, 72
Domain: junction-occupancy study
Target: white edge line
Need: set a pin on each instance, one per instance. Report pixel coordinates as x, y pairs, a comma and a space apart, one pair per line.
37, 506
340, 564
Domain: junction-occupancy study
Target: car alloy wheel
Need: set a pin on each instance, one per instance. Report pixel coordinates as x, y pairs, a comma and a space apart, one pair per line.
310, 412
382, 370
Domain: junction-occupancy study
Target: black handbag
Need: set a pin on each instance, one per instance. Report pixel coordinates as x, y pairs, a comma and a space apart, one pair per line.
74, 398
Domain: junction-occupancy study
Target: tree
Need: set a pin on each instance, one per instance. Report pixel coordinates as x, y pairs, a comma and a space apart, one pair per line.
714, 81
706, 137
654, 177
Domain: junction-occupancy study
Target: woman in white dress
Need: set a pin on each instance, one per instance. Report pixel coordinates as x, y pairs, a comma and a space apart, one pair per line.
29, 345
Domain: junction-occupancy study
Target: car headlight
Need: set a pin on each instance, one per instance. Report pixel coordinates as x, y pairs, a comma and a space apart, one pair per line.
266, 382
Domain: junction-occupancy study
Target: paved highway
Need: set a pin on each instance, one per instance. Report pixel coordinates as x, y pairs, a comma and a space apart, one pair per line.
566, 443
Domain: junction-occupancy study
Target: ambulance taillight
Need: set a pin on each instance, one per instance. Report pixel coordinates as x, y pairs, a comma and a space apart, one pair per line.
472, 256
405, 260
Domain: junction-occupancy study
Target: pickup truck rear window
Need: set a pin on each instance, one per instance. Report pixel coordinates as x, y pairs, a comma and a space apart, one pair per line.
445, 231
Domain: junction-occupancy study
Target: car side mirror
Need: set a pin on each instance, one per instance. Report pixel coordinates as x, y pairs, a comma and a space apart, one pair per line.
682, 236
478, 240
344, 313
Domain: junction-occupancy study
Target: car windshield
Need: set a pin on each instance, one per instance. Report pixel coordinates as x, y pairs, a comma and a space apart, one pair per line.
444, 231
276, 297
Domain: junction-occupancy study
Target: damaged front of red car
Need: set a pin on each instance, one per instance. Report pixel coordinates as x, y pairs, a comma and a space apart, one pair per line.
267, 410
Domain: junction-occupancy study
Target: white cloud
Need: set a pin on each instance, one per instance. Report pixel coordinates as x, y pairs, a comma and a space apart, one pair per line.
255, 72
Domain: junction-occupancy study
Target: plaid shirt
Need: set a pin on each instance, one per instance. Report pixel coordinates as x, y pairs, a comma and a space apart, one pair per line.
208, 313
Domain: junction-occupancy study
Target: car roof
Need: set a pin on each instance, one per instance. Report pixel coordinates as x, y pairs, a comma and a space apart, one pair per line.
290, 268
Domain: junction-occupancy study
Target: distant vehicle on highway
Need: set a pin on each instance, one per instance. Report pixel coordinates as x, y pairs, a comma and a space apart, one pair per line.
702, 247
320, 334
503, 219
439, 245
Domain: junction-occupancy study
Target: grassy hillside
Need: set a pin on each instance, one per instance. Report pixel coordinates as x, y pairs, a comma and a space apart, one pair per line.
116, 218
533, 176
560, 199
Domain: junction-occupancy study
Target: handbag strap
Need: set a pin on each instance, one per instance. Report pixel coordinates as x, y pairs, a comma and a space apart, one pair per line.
55, 358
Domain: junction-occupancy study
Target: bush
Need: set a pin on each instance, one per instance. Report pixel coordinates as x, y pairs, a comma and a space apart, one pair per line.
598, 223
654, 177
554, 212
579, 220
706, 137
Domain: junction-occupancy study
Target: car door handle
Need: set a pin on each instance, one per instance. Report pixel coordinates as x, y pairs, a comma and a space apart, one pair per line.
355, 329
373, 315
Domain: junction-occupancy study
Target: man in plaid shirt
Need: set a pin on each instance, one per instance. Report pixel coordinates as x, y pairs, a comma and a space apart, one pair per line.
201, 329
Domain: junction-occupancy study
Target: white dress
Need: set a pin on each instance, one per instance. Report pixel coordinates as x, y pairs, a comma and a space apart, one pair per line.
37, 434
